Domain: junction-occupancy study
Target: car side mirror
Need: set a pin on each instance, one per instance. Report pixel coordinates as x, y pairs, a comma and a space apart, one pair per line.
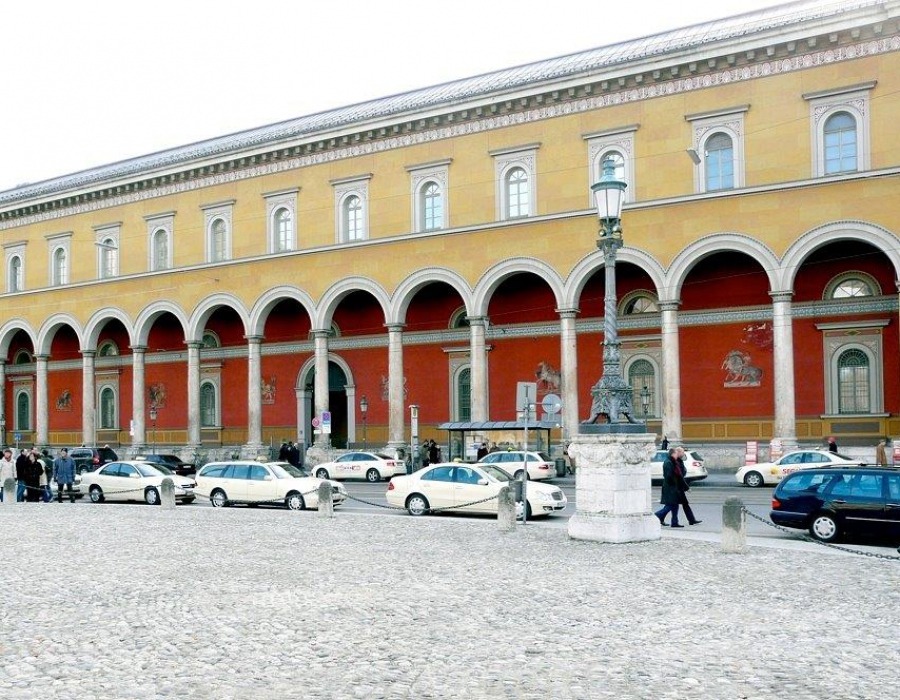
482, 482
268, 477
133, 475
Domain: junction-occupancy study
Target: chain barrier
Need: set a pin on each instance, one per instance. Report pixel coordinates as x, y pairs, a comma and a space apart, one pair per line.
272, 502
388, 506
808, 538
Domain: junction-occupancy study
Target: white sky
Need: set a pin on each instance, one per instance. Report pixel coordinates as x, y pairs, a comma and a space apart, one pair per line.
85, 83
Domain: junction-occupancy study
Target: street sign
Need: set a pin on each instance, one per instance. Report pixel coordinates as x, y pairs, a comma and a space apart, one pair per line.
316, 422
18, 437
326, 419
551, 403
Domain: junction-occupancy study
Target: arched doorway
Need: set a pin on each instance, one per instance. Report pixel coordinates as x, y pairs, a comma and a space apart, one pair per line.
337, 403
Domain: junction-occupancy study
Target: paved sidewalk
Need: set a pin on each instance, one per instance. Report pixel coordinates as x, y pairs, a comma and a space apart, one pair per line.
120, 602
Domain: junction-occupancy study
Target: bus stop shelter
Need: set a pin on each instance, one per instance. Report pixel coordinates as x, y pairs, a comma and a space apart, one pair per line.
463, 437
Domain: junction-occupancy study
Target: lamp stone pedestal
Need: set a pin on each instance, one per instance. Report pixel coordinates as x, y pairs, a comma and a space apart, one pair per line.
612, 487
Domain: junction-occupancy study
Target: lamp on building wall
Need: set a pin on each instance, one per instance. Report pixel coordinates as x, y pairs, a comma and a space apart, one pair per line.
611, 396
645, 401
413, 437
153, 434
364, 409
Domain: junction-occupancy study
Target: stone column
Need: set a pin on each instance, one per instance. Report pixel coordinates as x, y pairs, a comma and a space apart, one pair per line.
352, 407
138, 394
42, 434
478, 365
396, 417
254, 393
193, 392
3, 425
785, 428
321, 383
88, 404
302, 416
569, 371
671, 371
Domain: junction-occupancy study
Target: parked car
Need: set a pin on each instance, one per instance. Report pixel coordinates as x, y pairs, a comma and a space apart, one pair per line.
832, 501
173, 462
693, 465
231, 483
76, 488
370, 466
90, 458
453, 484
134, 481
540, 466
767, 473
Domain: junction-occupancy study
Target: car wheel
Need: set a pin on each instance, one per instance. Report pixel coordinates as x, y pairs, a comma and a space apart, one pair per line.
188, 500
96, 494
322, 473
151, 497
373, 475
218, 499
754, 479
417, 504
294, 501
824, 528
519, 510
518, 475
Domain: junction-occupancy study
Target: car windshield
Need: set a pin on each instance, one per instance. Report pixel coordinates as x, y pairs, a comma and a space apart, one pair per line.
495, 472
283, 470
165, 459
544, 456
385, 457
696, 456
147, 469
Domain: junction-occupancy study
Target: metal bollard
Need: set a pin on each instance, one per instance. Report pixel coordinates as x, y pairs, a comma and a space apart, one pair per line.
326, 505
167, 494
734, 526
9, 491
506, 509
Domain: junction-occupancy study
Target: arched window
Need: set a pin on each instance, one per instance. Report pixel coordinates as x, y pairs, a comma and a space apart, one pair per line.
60, 267
840, 144
210, 340
353, 218
517, 193
459, 318
109, 258
853, 382
209, 416
852, 284
719, 162
639, 304
108, 349
23, 357
642, 379
160, 249
464, 395
218, 239
284, 230
107, 408
16, 282
23, 411
432, 206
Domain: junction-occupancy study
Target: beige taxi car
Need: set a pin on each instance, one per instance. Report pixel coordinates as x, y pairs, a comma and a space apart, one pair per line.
260, 483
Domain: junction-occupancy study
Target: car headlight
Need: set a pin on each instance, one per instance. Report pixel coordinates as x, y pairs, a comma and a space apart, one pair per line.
544, 496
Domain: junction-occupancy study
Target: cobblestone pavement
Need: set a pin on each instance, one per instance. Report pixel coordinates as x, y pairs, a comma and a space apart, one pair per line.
124, 602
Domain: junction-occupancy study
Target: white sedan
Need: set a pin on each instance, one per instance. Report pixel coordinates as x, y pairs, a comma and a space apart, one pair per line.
370, 466
275, 483
767, 473
470, 488
134, 481
693, 466
540, 466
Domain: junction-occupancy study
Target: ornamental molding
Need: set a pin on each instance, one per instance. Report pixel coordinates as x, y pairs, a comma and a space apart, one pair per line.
491, 123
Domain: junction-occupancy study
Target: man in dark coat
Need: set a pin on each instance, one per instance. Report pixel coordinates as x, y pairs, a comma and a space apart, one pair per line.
64, 474
22, 468
683, 501
671, 489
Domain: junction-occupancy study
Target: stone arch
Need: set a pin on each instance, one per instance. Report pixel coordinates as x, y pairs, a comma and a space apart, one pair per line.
264, 305
9, 329
592, 262
717, 243
310, 364
333, 296
49, 328
494, 276
407, 289
206, 308
806, 244
148, 316
99, 319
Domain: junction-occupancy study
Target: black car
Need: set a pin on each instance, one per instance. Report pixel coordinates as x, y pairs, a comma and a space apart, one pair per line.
173, 462
833, 501
87, 459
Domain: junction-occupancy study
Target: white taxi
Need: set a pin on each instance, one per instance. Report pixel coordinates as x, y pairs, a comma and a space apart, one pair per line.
370, 466
468, 488
275, 483
768, 473
693, 466
134, 481
540, 466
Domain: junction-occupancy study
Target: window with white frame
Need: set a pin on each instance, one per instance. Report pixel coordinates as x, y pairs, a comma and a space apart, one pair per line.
106, 239
160, 230
58, 247
852, 284
218, 230
515, 172
15, 266
718, 148
281, 217
209, 405
638, 302
642, 379
429, 192
107, 348
839, 129
351, 196
463, 389
641, 358
618, 146
854, 372
108, 412
23, 410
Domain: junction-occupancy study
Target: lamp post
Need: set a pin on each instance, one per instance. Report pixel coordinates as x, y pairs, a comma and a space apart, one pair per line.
645, 401
413, 437
153, 434
364, 409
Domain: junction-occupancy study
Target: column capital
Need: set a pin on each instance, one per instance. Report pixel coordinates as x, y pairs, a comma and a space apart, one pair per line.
478, 321
568, 312
320, 333
669, 304
41, 358
194, 344
782, 296
138, 349
253, 339
395, 327
88, 353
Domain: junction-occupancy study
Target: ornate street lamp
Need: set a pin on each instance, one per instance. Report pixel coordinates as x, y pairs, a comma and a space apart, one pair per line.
611, 396
645, 401
153, 434
364, 409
